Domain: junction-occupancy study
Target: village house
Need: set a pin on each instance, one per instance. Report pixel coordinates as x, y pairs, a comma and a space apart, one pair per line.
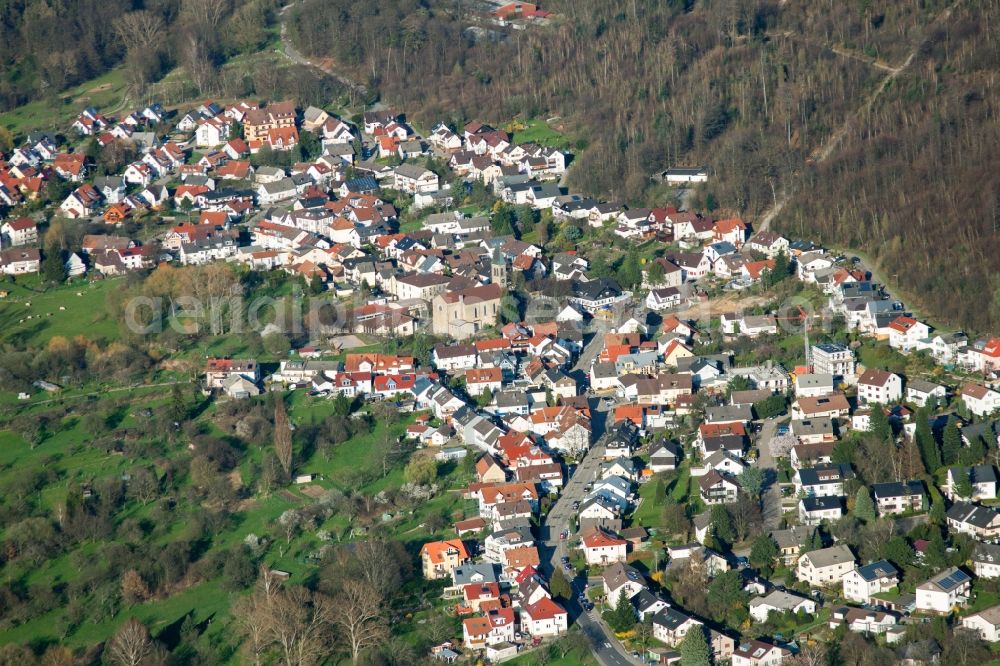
981, 400
814, 510
944, 591
620, 577
982, 477
779, 602
979, 522
790, 542
715, 488
670, 626
986, 560
920, 392
20, 260
219, 370
22, 231
601, 548
258, 122
879, 386
544, 618
440, 558
985, 623
496, 627
825, 567
822, 480
864, 581
411, 179
863, 621
809, 455
899, 497
759, 653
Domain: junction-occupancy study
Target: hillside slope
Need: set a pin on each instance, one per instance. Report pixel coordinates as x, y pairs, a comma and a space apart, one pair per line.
750, 87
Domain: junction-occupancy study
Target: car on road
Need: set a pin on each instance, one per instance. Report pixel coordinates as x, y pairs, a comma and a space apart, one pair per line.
783, 430
855, 260
742, 562
576, 504
564, 534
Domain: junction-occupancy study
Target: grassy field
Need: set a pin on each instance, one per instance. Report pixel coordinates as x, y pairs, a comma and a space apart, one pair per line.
69, 456
538, 131
106, 93
85, 311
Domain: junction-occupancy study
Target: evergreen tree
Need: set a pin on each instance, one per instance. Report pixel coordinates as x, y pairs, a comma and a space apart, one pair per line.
694, 648
661, 491
937, 513
878, 424
974, 453
655, 274
782, 268
559, 586
178, 405
502, 223
54, 266
630, 272
951, 442
816, 541
316, 285
963, 484
722, 525
928, 447
752, 482
763, 554
864, 506
622, 618
726, 598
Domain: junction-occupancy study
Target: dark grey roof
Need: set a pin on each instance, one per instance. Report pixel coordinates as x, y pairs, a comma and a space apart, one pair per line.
876, 570
820, 503
670, 617
826, 473
898, 489
595, 290
973, 514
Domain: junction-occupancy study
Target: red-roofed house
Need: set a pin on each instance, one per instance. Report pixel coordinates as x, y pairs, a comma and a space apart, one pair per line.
733, 231
479, 380
905, 332
601, 548
439, 558
495, 627
544, 618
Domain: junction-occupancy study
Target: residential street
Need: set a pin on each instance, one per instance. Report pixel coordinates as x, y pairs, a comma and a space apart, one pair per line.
603, 644
765, 461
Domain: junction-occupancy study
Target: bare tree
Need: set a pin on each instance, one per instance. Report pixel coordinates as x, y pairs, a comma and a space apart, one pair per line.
299, 624
140, 31
132, 645
250, 613
357, 613
134, 588
282, 436
813, 654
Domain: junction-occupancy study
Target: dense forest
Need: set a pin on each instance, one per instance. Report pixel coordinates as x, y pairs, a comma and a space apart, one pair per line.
753, 88
50, 45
